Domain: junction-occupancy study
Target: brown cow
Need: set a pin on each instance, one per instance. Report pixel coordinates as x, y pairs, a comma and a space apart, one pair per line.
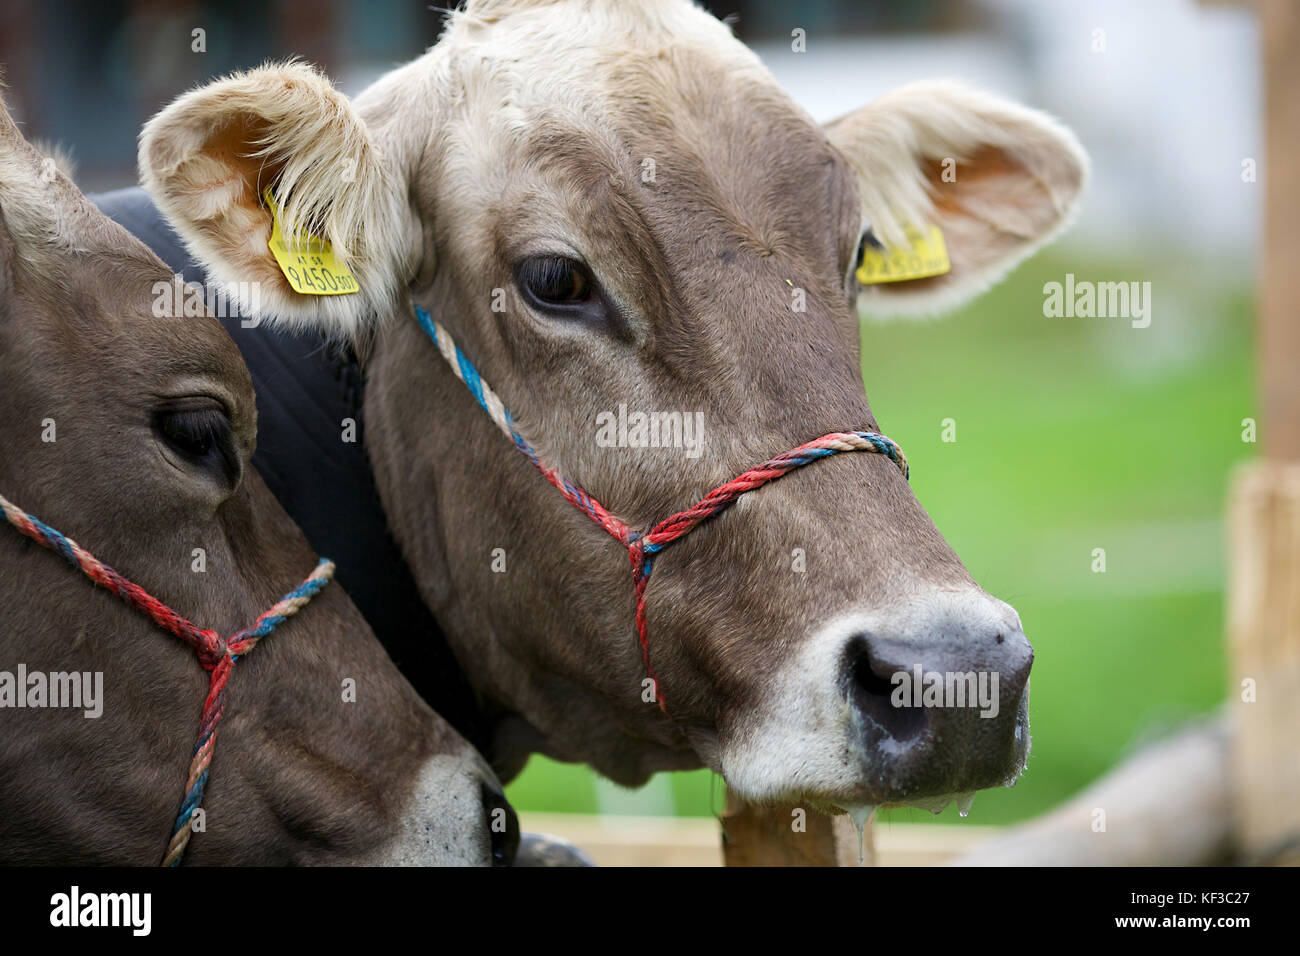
132, 434
613, 206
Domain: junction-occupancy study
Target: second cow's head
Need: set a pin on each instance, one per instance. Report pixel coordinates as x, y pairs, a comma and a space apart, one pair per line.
616, 210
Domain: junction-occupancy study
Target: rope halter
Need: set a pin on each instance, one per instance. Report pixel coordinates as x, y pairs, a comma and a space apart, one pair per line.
216, 654
643, 547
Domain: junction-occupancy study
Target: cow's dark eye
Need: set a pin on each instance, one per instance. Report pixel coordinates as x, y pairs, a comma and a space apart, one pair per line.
201, 437
552, 283
866, 241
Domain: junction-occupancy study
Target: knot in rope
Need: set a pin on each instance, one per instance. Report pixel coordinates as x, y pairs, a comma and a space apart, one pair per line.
216, 654
212, 650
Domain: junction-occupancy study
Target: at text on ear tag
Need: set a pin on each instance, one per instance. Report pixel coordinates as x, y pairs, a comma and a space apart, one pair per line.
924, 256
310, 265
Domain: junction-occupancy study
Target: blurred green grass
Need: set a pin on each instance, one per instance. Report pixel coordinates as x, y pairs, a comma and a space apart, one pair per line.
1072, 434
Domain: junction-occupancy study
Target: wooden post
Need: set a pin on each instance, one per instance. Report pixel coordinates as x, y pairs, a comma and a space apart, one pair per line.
1264, 502
789, 836
1279, 299
1264, 645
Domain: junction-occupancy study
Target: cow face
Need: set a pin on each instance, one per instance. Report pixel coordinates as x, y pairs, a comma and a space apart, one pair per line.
632, 218
128, 425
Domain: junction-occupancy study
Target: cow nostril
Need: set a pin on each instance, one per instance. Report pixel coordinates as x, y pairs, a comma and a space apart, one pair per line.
1000, 638
503, 827
873, 693
867, 680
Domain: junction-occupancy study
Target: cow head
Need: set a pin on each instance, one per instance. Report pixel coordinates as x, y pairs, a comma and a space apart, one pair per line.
613, 206
131, 432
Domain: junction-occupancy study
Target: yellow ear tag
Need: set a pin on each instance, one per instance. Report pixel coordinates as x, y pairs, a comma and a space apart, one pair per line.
310, 265
924, 256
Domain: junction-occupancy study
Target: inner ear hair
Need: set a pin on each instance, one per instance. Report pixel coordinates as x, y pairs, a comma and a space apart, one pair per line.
207, 157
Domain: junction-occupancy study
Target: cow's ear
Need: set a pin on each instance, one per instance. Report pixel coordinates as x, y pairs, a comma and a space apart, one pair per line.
997, 179
43, 215
208, 158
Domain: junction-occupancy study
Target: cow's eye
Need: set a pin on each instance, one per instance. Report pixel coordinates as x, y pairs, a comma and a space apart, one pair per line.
200, 435
866, 241
552, 283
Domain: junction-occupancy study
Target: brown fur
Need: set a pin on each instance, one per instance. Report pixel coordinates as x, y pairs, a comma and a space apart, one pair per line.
298, 776
712, 331
518, 135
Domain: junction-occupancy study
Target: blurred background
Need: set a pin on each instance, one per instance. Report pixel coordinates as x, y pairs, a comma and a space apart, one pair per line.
1072, 434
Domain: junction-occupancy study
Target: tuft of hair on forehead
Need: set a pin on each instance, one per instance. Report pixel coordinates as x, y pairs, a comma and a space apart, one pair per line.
489, 11
30, 191
57, 154
508, 61
600, 20
45, 213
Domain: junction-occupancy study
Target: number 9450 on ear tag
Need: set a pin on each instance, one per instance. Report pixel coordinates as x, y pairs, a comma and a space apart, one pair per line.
309, 264
924, 256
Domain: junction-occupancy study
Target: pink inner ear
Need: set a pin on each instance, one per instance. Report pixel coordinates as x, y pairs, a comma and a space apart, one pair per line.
973, 175
218, 191
994, 189
993, 207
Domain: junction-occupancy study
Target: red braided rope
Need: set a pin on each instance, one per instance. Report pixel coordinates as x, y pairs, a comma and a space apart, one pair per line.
217, 655
641, 548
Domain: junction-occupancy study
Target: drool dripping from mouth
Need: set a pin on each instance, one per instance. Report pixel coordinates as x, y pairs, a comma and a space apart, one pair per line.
860, 815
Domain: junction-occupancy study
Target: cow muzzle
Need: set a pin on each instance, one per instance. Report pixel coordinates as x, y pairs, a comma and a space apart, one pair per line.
457, 815
917, 706
942, 712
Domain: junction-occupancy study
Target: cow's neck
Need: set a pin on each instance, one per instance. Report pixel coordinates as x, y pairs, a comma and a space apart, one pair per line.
310, 399
384, 588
